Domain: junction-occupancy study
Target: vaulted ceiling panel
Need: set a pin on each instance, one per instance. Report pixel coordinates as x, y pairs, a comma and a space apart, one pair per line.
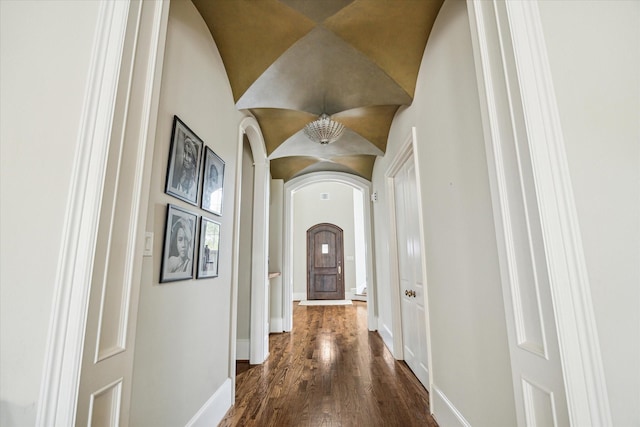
393, 34
288, 167
372, 123
322, 74
278, 125
349, 144
289, 61
317, 10
251, 35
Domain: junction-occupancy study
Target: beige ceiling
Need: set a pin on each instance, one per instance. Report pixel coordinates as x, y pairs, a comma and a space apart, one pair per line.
289, 61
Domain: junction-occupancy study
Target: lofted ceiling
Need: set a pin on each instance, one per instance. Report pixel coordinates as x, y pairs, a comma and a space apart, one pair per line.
288, 61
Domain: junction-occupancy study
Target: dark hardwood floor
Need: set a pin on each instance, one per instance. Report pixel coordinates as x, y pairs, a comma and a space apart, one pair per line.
329, 371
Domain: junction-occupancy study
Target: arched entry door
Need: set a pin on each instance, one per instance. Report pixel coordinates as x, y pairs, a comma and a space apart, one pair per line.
325, 258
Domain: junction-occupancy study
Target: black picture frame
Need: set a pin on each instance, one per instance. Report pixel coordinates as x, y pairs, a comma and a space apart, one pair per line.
178, 250
212, 183
209, 248
185, 158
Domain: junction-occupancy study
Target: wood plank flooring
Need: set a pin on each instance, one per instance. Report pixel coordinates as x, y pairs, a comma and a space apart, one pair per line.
329, 371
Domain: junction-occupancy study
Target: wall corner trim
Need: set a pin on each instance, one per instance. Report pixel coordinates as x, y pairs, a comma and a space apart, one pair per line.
215, 408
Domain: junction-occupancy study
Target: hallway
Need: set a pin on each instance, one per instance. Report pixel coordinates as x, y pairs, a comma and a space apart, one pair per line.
329, 371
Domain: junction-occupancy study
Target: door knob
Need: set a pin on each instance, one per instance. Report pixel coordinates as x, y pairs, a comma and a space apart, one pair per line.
406, 292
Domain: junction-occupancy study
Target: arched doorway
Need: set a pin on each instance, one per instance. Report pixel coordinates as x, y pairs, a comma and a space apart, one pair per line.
297, 184
249, 131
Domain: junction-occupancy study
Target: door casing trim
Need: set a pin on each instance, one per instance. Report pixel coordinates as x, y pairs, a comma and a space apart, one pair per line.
405, 153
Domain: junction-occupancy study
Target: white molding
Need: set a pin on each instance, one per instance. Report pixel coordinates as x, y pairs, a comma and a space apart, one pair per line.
579, 345
63, 357
116, 402
453, 417
215, 408
242, 349
534, 408
290, 187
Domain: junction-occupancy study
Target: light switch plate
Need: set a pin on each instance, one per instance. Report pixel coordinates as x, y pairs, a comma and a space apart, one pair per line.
148, 244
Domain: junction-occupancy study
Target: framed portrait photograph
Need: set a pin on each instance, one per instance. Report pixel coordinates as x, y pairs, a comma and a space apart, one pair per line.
209, 246
183, 170
212, 182
179, 245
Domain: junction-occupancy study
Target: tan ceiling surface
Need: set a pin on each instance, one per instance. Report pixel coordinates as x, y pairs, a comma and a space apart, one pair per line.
289, 61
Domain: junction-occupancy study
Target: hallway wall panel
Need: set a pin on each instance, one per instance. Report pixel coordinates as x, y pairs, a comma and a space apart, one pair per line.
183, 335
468, 329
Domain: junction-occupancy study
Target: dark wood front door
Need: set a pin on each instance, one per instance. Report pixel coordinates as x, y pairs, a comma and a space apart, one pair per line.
325, 278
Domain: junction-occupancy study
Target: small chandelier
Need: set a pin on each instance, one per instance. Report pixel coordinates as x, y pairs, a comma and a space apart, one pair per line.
324, 130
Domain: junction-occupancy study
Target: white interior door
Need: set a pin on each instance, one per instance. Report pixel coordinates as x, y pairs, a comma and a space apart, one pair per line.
540, 256
107, 357
414, 331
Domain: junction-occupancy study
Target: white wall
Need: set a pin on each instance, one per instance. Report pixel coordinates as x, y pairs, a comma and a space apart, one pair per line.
309, 210
45, 50
244, 261
276, 230
594, 53
360, 245
183, 333
470, 357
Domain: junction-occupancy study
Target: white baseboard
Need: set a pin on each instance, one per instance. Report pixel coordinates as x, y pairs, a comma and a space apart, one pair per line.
445, 413
242, 349
299, 296
387, 336
276, 325
214, 409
